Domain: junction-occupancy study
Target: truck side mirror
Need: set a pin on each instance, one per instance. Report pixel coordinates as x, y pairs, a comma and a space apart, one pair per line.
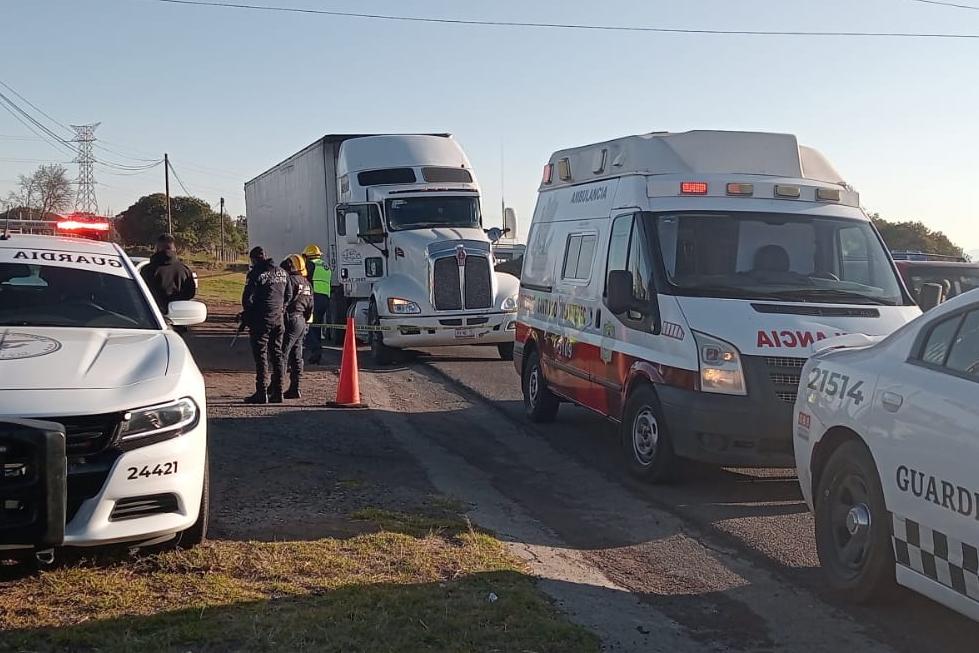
619, 292
352, 221
930, 296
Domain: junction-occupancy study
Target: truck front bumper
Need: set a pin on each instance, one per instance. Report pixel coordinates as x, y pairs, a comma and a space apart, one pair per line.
405, 331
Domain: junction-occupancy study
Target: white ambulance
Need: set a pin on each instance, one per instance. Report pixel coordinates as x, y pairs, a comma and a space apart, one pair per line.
676, 284
886, 441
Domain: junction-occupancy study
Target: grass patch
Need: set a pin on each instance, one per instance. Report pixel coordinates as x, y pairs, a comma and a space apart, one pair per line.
222, 288
414, 524
377, 592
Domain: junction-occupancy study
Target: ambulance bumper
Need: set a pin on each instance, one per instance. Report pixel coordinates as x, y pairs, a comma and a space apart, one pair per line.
746, 431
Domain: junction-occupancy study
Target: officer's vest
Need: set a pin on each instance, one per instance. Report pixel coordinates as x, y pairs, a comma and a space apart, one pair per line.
322, 278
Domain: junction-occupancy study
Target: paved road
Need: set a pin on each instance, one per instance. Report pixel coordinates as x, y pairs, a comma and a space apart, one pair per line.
756, 516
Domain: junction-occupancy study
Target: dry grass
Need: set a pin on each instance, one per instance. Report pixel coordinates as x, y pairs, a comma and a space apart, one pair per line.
377, 592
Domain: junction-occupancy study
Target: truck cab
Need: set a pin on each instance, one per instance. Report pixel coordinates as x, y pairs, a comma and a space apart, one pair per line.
411, 252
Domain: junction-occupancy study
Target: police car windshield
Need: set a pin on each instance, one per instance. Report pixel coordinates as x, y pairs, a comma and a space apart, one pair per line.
776, 256
56, 296
432, 212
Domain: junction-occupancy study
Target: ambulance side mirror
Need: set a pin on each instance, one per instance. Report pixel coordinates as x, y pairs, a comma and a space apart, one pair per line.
619, 292
930, 296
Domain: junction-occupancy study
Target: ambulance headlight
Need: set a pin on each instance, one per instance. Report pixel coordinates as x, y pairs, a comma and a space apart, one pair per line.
400, 306
720, 366
510, 303
157, 423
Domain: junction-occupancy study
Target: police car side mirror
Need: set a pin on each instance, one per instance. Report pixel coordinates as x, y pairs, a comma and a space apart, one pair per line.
186, 313
619, 292
930, 296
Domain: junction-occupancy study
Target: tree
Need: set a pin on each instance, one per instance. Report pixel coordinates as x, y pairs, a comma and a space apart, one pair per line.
46, 190
915, 236
196, 225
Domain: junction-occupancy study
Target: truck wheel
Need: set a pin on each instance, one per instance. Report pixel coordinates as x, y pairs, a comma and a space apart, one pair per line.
540, 403
196, 534
380, 353
853, 530
645, 439
506, 350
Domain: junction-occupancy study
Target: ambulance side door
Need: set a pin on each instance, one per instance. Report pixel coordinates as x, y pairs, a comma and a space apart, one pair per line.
926, 440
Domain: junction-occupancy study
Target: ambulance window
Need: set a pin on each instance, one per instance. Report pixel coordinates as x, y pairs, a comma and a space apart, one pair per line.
855, 255
964, 356
578, 257
935, 350
639, 266
618, 248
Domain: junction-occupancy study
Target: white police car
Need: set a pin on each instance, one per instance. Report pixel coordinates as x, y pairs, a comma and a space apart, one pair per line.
103, 430
886, 444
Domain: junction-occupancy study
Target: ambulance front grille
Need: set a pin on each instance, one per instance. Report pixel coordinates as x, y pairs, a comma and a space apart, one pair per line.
784, 374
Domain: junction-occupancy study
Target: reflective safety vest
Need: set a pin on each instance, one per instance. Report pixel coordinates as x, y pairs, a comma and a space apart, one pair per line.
322, 278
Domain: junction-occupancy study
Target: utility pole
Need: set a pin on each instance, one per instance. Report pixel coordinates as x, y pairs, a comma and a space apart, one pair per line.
166, 177
222, 229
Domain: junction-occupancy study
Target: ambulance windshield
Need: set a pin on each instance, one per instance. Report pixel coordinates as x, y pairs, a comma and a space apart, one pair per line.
433, 212
775, 256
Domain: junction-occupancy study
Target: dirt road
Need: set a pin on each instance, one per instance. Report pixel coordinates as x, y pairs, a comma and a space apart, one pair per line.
724, 562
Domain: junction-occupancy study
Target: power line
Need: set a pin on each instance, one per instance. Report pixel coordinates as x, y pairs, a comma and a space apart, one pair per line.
36, 108
943, 3
179, 181
564, 26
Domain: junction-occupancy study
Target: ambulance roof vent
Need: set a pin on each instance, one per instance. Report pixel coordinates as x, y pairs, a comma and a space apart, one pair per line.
694, 153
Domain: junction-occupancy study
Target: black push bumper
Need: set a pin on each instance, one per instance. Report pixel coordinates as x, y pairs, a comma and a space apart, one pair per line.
33, 483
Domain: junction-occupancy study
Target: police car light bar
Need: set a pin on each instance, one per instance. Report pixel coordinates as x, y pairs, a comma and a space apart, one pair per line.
75, 225
693, 188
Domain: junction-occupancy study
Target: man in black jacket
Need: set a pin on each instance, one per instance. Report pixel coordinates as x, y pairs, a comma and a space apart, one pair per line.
168, 279
263, 302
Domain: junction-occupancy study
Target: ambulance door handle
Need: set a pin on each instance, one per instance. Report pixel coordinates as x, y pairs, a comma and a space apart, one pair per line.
598, 319
891, 401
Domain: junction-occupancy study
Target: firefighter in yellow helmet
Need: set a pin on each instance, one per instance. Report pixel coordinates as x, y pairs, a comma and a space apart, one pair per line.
298, 304
320, 278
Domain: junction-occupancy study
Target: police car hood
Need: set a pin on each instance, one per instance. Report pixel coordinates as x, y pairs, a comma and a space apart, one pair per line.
68, 359
759, 328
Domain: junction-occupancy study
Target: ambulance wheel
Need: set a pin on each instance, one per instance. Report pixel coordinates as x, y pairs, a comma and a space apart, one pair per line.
197, 533
381, 354
540, 403
853, 532
645, 440
506, 350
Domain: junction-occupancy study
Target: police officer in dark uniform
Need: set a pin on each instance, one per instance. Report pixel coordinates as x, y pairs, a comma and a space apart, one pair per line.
298, 313
263, 303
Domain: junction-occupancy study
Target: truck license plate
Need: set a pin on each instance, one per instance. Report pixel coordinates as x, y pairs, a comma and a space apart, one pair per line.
465, 333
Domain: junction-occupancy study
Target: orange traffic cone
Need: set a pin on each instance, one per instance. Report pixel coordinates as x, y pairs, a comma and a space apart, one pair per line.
348, 389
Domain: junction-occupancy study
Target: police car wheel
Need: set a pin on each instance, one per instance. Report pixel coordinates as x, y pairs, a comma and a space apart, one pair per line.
645, 439
853, 535
381, 354
196, 534
540, 403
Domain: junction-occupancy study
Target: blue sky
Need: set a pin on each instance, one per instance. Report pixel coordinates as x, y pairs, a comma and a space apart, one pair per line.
229, 92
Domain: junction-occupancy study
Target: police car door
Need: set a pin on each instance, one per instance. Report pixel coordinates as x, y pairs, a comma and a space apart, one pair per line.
927, 409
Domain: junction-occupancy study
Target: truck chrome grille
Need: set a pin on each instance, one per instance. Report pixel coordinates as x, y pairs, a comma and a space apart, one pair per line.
475, 285
448, 295
479, 291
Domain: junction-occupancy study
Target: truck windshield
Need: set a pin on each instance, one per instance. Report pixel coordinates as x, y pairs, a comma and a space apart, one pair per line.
776, 256
429, 212
55, 296
955, 278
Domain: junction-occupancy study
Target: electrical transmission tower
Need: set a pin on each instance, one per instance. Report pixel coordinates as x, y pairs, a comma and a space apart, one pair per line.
85, 200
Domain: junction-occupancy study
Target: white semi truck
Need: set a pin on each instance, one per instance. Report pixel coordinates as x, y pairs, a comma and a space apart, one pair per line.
398, 219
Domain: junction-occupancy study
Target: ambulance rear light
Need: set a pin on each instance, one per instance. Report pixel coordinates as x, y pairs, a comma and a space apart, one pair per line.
564, 169
548, 173
787, 190
693, 188
741, 189
829, 194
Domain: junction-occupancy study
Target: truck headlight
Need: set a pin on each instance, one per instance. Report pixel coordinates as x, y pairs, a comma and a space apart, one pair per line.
400, 306
157, 423
720, 366
510, 303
